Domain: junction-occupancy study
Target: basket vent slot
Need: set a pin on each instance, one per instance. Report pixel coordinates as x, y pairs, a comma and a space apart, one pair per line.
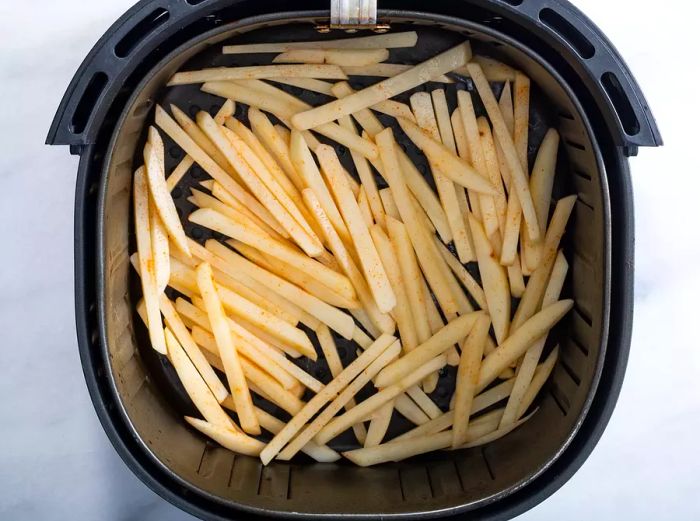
514, 3
568, 32
142, 29
621, 102
87, 101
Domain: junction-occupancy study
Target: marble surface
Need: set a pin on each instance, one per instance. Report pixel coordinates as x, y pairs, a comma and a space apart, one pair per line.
55, 461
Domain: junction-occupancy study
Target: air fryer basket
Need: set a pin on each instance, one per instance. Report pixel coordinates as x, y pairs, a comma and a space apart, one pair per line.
141, 404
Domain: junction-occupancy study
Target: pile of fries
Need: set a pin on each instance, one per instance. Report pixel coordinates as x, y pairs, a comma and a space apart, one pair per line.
312, 243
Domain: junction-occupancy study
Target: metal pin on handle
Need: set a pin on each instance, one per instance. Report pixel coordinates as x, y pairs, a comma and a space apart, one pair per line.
354, 14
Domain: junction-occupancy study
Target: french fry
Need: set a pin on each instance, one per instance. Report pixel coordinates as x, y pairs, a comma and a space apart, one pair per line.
471, 285
328, 393
367, 120
369, 258
494, 70
378, 41
311, 84
379, 424
495, 281
518, 175
374, 402
493, 171
203, 200
388, 88
389, 204
237, 230
354, 57
329, 72
228, 438
160, 250
467, 376
388, 70
202, 397
529, 362
145, 261
505, 103
448, 336
227, 350
334, 318
409, 410
515, 279
199, 137
264, 221
423, 401
519, 340
538, 380
158, 189
334, 407
365, 211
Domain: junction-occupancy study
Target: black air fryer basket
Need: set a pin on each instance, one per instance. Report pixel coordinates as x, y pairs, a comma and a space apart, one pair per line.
581, 86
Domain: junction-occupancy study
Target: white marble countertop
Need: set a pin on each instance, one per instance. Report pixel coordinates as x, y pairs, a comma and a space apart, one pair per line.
55, 461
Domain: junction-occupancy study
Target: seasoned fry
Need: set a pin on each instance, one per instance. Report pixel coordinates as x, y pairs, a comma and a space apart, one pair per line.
331, 72
423, 401
493, 171
541, 375
471, 285
378, 41
199, 137
312, 84
409, 410
388, 88
379, 424
226, 437
353, 57
388, 70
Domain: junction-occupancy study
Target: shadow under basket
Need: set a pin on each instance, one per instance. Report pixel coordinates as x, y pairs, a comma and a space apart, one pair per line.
579, 86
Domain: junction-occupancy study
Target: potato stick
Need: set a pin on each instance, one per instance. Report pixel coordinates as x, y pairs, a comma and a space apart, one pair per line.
273, 391
158, 190
363, 204
541, 182
536, 285
454, 167
464, 152
241, 156
463, 304
521, 117
425, 251
467, 376
145, 261
179, 172
440, 342
237, 230
367, 120
258, 72
334, 318
201, 139
227, 350
328, 393
493, 171
515, 279
519, 340
208, 342
471, 285
518, 175
202, 397
160, 249
361, 338
529, 362
369, 258
388, 70
381, 41
264, 221
494, 70
228, 438
423, 401
354, 57
389, 204
177, 327
409, 410
342, 399
513, 224
320, 453
379, 424
495, 281
538, 380
404, 316
310, 84
385, 89
374, 402
382, 321
170, 127
434, 319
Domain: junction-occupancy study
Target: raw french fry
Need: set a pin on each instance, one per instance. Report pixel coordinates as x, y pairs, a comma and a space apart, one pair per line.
231, 439
158, 190
160, 250
471, 285
467, 376
458, 170
227, 350
494, 70
361, 338
354, 57
495, 281
518, 175
519, 340
199, 137
379, 41
369, 258
145, 261
365, 211
266, 222
374, 402
494, 435
185, 340
541, 375
541, 182
515, 279
423, 401
532, 355
536, 285
334, 318
237, 230
284, 133
334, 407
452, 333
312, 84
493, 171
331, 72
196, 388
404, 317
505, 103
388, 70
379, 424
367, 120
409, 410
521, 117
389, 203
388, 88
382, 321
328, 393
